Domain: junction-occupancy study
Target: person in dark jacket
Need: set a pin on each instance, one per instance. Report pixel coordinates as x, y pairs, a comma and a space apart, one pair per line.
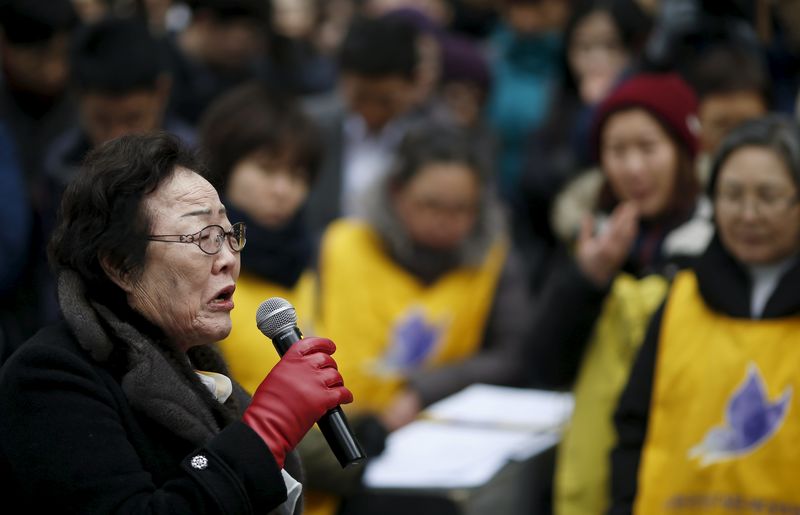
702, 424
124, 407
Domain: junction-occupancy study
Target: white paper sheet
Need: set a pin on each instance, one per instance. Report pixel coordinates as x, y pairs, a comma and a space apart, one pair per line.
500, 406
431, 455
464, 440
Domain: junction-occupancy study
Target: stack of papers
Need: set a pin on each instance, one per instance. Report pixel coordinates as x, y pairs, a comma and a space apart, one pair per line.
504, 407
464, 440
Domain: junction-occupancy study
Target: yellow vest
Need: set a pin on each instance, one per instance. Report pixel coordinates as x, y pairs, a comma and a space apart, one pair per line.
249, 354
719, 439
582, 468
385, 322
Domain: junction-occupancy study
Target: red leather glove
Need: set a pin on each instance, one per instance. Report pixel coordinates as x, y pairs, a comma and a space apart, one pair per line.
295, 394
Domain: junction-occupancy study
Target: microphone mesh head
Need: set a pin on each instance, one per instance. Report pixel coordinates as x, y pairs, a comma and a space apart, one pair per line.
274, 315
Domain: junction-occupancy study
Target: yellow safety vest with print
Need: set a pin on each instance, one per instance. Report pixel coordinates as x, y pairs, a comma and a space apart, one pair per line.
249, 354
723, 429
582, 469
385, 322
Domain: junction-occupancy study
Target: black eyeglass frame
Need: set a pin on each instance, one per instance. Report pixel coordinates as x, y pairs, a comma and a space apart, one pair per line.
236, 234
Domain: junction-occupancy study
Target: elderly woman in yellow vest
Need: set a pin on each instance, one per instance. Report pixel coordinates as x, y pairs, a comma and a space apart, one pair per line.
424, 294
263, 151
647, 220
705, 423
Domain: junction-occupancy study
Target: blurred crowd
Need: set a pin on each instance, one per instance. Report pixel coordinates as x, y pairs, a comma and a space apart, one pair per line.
459, 191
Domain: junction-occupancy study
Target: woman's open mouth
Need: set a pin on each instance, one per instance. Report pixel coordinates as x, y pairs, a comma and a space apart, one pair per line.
223, 300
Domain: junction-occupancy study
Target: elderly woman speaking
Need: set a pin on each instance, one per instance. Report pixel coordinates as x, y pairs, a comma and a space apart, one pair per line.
124, 407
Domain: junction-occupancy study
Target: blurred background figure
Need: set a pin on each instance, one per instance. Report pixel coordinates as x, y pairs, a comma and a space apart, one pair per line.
34, 98
453, 78
683, 27
335, 17
91, 11
647, 220
428, 42
524, 54
303, 60
122, 86
440, 12
782, 37
424, 295
686, 27
264, 151
15, 240
224, 44
603, 40
464, 86
733, 86
365, 121
35, 106
735, 312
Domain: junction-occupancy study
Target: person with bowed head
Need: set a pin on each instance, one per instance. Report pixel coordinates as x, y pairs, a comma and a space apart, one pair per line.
705, 423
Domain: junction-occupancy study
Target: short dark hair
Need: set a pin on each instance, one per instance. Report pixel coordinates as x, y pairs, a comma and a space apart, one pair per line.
728, 67
31, 22
102, 216
379, 47
116, 56
436, 143
254, 118
777, 132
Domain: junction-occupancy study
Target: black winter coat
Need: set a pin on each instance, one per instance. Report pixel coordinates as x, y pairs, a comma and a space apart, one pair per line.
106, 422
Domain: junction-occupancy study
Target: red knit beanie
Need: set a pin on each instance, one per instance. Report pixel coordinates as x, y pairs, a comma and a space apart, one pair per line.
664, 95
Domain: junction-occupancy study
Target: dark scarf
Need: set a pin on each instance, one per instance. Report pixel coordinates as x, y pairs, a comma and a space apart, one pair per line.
646, 256
427, 264
726, 286
424, 263
277, 255
157, 378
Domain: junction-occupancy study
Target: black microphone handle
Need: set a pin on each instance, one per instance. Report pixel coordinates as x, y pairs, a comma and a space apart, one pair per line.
333, 424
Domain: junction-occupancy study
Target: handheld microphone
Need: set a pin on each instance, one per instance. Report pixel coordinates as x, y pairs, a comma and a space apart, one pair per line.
277, 319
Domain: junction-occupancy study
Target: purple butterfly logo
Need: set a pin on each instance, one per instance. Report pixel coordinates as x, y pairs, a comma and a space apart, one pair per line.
750, 421
412, 340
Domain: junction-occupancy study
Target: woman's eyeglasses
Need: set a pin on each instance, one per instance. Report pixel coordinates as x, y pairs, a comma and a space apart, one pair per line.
209, 239
769, 204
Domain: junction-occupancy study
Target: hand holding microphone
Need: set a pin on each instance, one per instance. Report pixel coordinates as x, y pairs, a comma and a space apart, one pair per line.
300, 389
305, 385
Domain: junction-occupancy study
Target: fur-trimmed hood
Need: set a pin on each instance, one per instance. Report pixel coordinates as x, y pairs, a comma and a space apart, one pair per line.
580, 196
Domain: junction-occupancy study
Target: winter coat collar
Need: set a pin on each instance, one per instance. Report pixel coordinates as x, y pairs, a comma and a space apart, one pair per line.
158, 380
725, 286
